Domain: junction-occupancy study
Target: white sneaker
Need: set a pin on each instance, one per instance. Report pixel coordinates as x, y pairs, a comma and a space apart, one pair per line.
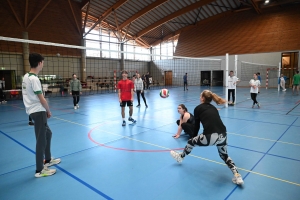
176, 156
284, 90
237, 179
75, 107
53, 162
45, 172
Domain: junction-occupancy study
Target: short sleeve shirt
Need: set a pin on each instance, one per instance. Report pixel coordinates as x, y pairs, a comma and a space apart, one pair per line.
296, 79
125, 87
254, 82
232, 82
31, 87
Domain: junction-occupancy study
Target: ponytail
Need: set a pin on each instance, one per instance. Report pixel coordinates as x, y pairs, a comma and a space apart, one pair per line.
218, 99
209, 96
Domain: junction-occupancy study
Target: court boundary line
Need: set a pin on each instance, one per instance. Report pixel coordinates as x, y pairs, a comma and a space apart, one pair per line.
264, 157
63, 170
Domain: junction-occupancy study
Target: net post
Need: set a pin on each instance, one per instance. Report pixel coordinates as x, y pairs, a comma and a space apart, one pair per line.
235, 72
279, 67
83, 62
226, 80
267, 78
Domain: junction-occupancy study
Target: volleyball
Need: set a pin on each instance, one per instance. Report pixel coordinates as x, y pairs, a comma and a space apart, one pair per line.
164, 93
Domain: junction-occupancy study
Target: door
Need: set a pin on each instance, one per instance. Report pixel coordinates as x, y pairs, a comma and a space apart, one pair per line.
289, 65
168, 78
205, 79
217, 78
9, 78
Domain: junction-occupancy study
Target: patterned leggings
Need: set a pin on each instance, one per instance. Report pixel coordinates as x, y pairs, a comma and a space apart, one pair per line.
218, 139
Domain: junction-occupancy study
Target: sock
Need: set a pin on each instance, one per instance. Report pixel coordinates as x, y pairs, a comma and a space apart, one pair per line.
123, 119
36, 171
47, 161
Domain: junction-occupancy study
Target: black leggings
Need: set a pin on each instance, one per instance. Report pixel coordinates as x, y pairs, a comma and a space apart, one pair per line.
253, 97
138, 92
76, 97
231, 91
218, 139
188, 128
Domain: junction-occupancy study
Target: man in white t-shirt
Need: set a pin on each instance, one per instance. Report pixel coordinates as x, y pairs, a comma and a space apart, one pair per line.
37, 108
232, 81
255, 84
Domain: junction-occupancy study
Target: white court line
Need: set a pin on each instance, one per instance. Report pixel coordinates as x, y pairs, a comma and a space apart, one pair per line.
264, 139
250, 171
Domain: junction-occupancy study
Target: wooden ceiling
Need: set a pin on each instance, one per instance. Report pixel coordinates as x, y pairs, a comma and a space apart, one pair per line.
150, 22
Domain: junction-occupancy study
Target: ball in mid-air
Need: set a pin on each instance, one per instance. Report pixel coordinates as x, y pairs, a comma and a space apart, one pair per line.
164, 93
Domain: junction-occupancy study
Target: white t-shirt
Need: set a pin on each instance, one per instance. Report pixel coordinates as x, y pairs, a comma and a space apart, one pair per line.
232, 82
282, 79
31, 87
256, 83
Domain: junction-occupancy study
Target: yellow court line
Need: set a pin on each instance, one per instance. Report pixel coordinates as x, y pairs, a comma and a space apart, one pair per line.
264, 139
250, 171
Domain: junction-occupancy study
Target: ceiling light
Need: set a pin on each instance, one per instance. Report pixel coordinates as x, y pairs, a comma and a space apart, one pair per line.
267, 1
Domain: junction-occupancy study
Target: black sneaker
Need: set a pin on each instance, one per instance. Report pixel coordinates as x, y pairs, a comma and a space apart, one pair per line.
138, 105
131, 119
31, 123
146, 106
124, 123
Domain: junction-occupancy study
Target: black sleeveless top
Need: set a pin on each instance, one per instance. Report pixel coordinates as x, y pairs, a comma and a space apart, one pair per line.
191, 120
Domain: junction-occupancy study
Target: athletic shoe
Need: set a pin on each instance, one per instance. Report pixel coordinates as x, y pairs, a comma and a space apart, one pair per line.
146, 106
138, 105
176, 156
131, 119
77, 105
237, 179
124, 123
4, 101
258, 105
53, 162
284, 90
31, 123
45, 172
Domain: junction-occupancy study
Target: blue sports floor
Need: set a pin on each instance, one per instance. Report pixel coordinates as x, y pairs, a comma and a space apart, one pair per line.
103, 160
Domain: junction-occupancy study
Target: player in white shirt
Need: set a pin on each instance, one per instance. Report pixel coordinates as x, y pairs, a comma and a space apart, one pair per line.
37, 108
232, 82
255, 84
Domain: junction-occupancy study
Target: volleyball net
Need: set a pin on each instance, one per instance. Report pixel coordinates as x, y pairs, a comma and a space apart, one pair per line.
268, 74
98, 69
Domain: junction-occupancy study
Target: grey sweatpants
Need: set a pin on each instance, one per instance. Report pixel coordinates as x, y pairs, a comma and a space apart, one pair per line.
43, 137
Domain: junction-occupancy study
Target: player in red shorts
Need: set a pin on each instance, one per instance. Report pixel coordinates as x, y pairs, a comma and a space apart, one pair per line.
125, 93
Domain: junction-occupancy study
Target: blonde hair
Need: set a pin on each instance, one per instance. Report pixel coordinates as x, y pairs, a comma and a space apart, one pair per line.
209, 96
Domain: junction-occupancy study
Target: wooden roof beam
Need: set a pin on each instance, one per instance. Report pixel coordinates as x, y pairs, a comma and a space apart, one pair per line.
86, 17
223, 14
26, 13
256, 7
38, 14
79, 31
173, 15
15, 14
106, 14
142, 12
84, 3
